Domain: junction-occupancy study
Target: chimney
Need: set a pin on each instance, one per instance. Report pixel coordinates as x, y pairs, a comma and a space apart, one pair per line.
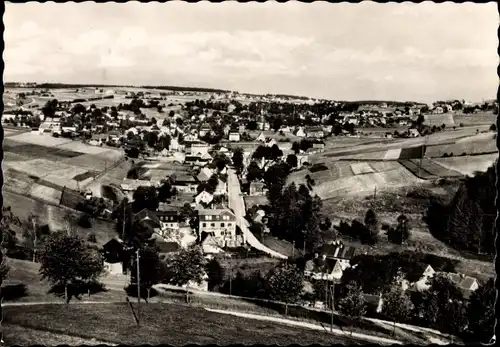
324, 256
315, 255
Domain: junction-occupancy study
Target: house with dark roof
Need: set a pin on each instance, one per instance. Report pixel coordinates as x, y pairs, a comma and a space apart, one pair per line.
322, 268
465, 283
148, 219
185, 183
338, 251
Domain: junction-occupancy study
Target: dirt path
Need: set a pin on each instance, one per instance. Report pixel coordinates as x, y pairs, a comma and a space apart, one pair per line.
374, 339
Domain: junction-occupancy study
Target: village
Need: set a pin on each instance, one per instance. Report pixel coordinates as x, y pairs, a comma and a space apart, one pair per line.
288, 174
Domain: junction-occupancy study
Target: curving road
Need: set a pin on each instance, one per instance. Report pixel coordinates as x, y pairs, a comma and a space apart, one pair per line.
237, 205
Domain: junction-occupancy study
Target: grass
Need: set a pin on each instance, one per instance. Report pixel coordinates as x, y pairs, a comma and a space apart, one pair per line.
56, 216
27, 272
481, 118
23, 336
160, 324
261, 307
467, 165
481, 146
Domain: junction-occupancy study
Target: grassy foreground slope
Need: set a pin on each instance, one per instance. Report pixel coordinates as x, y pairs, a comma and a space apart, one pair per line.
161, 323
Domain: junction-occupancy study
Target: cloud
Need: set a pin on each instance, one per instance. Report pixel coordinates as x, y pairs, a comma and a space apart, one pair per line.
114, 60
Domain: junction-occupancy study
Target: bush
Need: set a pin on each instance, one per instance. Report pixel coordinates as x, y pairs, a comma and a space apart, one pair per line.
13, 291
461, 125
84, 221
92, 238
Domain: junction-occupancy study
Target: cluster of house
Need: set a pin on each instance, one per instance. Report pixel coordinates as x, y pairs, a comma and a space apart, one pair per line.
330, 262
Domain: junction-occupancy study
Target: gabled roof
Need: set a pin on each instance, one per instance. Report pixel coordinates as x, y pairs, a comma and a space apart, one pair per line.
338, 251
313, 128
148, 218
462, 281
218, 213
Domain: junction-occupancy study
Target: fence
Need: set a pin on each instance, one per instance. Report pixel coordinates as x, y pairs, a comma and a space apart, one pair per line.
271, 307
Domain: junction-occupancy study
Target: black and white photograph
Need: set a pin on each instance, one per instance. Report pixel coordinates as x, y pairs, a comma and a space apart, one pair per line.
228, 173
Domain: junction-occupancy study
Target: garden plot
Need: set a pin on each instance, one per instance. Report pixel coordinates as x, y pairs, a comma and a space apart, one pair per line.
481, 118
417, 170
361, 168
35, 138
381, 166
333, 171
392, 154
99, 162
16, 181
366, 183
41, 167
435, 169
412, 152
375, 155
64, 178
438, 119
77, 146
487, 146
45, 193
479, 137
13, 157
468, 165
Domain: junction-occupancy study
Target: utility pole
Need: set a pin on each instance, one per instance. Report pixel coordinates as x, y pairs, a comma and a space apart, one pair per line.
34, 239
293, 248
123, 221
138, 288
333, 305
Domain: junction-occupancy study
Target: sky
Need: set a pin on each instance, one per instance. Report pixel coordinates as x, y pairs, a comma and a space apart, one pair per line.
419, 52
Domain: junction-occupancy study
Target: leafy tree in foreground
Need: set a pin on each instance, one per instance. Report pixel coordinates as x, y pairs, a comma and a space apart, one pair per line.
67, 258
452, 318
353, 305
397, 306
186, 266
481, 312
284, 284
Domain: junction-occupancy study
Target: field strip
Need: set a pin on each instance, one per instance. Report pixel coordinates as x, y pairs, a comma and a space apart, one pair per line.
392, 154
305, 325
361, 168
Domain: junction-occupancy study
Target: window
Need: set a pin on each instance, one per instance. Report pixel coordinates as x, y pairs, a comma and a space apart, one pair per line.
204, 225
229, 224
222, 225
212, 225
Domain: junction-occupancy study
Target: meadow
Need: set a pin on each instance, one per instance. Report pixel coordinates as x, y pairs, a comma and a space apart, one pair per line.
161, 324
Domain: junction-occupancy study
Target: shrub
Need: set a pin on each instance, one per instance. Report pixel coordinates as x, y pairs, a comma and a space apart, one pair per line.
92, 238
13, 291
84, 221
